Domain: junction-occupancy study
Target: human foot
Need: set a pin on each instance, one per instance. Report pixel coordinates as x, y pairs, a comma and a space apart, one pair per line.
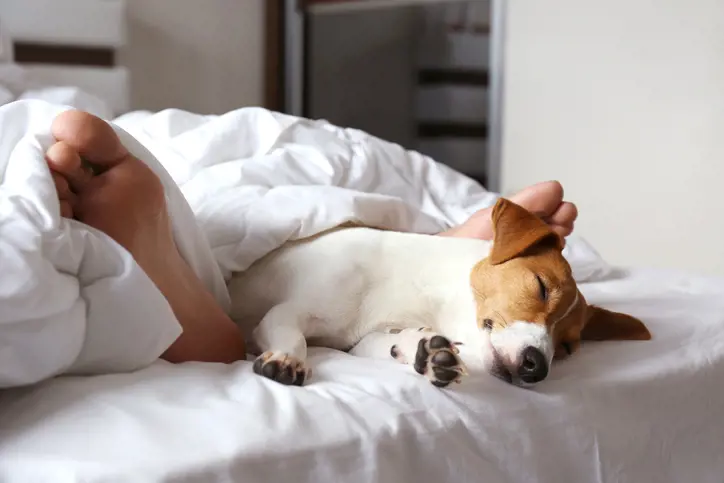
126, 200
544, 199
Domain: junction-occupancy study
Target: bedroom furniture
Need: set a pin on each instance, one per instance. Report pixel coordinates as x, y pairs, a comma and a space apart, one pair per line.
73, 42
452, 86
288, 38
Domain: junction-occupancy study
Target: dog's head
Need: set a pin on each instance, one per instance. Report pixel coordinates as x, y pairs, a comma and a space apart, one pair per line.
528, 301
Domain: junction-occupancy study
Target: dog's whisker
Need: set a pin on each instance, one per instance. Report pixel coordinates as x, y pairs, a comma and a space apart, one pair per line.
500, 316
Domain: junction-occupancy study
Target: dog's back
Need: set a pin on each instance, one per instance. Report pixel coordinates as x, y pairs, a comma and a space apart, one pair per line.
301, 270
349, 274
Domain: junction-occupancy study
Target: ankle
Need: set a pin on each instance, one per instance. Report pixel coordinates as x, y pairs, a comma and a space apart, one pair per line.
209, 334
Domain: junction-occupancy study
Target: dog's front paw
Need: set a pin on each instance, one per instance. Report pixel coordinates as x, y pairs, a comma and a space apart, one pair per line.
282, 368
437, 359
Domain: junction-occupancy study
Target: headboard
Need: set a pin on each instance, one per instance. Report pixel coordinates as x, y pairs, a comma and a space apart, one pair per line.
71, 43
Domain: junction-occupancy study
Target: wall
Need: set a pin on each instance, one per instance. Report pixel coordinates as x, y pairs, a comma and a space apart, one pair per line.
203, 56
363, 71
623, 101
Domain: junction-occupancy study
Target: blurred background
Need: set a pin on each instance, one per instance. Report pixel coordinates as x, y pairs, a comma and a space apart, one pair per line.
620, 100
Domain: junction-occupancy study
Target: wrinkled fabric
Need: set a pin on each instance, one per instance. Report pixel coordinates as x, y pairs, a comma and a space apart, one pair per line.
615, 412
73, 301
238, 186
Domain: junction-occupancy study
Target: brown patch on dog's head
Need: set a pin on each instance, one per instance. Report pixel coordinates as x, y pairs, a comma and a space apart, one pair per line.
527, 298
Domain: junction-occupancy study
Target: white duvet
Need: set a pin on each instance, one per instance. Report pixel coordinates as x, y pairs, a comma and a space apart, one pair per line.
75, 304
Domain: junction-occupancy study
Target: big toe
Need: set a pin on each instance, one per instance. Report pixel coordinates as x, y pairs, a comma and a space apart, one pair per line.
90, 137
543, 198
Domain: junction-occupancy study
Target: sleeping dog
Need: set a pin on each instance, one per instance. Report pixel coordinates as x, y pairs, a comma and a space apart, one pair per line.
512, 303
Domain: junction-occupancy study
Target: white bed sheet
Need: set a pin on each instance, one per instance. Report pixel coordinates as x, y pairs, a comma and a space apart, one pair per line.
616, 412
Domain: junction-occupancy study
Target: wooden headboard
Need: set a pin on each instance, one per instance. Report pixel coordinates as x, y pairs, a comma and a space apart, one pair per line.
71, 42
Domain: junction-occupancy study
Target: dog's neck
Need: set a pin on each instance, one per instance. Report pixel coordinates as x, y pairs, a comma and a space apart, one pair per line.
439, 267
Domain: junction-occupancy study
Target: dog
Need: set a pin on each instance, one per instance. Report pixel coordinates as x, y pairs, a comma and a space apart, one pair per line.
512, 303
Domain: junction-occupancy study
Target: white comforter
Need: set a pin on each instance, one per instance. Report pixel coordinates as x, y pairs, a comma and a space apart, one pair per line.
73, 302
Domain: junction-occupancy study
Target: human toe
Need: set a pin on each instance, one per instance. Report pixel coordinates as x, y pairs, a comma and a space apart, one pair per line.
91, 137
565, 215
66, 197
61, 186
65, 161
543, 198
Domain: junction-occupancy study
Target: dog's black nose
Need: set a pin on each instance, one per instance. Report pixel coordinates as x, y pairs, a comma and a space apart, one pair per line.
533, 366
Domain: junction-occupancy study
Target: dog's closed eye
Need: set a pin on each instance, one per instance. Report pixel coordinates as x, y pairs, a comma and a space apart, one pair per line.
542, 290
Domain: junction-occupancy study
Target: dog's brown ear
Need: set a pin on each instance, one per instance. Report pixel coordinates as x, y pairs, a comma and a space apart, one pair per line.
517, 230
603, 324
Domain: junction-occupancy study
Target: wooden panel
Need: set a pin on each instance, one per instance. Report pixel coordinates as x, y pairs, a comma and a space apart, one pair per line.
452, 129
313, 2
27, 53
454, 76
329, 6
274, 55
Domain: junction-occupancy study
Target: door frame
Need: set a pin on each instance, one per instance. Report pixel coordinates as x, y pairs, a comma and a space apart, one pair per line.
285, 62
274, 55
496, 86
287, 68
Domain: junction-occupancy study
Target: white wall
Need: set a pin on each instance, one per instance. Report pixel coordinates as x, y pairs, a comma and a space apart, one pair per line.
623, 101
205, 56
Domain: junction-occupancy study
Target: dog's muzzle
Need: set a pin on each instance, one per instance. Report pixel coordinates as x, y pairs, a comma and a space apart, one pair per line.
522, 353
532, 369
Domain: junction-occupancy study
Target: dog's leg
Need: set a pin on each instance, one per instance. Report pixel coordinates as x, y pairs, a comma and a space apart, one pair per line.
431, 354
280, 338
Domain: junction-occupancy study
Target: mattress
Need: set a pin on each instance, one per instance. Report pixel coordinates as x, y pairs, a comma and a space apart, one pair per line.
614, 412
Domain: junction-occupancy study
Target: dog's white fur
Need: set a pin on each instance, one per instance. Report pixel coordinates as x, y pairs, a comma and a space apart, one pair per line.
350, 288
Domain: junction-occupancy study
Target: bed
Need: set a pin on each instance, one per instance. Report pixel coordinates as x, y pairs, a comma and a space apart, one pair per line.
254, 179
614, 413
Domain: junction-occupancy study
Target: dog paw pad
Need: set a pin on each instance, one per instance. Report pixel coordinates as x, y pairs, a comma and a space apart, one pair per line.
281, 368
437, 359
